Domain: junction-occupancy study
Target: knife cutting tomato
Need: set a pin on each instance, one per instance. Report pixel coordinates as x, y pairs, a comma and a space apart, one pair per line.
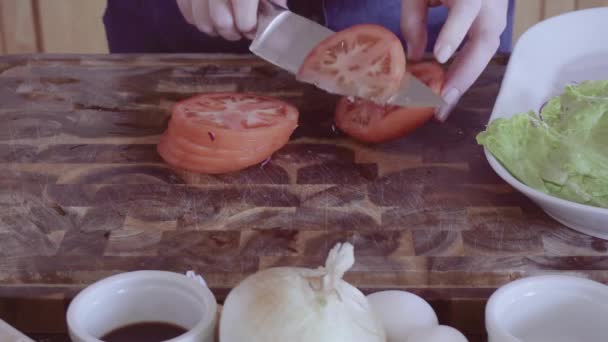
369, 122
364, 60
225, 132
368, 62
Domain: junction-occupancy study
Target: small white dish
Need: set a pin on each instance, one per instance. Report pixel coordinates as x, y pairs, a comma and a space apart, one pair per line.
551, 54
143, 296
549, 308
402, 313
8, 333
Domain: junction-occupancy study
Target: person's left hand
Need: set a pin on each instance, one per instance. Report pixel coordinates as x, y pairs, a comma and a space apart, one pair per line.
483, 21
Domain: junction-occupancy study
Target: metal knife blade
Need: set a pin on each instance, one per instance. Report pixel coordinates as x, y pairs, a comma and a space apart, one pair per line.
285, 39
414, 93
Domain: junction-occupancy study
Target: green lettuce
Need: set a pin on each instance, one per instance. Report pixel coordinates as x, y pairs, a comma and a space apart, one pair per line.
564, 150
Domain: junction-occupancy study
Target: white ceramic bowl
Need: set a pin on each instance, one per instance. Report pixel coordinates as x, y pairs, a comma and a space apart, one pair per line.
143, 296
550, 308
548, 56
8, 333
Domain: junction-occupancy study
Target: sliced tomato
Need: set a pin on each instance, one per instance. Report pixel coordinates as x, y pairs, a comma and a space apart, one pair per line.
369, 122
363, 60
235, 121
206, 163
226, 132
226, 139
199, 157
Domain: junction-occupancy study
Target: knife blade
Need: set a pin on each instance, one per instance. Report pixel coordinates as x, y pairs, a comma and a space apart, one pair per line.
285, 39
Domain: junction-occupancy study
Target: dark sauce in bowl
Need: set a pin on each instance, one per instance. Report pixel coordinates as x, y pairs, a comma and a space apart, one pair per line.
144, 332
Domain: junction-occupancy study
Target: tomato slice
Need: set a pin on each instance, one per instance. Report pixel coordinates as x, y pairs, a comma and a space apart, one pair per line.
235, 112
210, 163
226, 139
364, 60
369, 122
226, 132
233, 120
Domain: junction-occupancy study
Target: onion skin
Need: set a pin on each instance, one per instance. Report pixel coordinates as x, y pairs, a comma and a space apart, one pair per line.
300, 305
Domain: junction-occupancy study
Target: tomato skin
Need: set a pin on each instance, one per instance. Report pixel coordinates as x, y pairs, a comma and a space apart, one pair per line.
225, 139
209, 163
257, 127
392, 126
363, 60
369, 122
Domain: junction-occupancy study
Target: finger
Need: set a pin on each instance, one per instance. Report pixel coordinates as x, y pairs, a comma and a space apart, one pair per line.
476, 54
250, 35
223, 19
465, 70
461, 16
245, 14
185, 6
200, 14
413, 26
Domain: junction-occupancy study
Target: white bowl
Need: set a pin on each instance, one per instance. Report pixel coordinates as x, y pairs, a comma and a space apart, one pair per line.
551, 54
143, 296
550, 308
8, 333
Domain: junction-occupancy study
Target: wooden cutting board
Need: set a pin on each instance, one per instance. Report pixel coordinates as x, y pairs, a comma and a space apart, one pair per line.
83, 193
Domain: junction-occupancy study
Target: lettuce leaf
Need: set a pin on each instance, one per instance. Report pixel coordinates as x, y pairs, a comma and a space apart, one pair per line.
564, 151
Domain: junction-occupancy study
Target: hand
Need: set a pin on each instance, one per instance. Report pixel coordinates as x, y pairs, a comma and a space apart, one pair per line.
483, 21
231, 19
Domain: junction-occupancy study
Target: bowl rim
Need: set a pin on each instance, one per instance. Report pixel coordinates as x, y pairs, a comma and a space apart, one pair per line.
494, 303
203, 292
497, 165
537, 194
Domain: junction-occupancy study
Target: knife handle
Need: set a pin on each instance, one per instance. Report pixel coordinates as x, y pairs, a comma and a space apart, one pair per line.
270, 5
267, 11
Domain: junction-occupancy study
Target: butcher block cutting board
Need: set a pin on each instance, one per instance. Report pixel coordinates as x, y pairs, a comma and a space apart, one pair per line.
83, 193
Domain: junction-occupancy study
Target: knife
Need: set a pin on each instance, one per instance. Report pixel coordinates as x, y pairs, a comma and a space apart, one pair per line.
285, 39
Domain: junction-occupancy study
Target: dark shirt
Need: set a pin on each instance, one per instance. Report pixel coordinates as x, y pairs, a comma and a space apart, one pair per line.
157, 26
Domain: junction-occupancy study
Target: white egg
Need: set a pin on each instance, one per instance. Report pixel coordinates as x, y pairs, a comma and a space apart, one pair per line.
401, 313
440, 333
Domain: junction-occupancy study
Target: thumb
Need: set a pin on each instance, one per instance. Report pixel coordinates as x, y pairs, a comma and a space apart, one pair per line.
250, 32
413, 26
185, 6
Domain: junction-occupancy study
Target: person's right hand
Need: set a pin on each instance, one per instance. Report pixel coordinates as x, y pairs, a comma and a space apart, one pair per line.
231, 19
482, 21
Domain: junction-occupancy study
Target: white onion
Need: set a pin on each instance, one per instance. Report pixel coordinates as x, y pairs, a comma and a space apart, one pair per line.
301, 305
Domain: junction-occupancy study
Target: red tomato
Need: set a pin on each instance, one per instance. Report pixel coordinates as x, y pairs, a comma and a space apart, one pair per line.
369, 122
176, 155
363, 60
226, 132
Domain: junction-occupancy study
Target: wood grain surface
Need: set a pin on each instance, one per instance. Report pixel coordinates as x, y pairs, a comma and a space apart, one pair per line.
84, 195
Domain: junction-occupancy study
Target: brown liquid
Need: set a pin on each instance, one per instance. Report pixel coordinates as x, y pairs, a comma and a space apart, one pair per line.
144, 332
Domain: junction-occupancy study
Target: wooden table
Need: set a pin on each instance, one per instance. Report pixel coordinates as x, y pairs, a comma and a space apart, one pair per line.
84, 195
